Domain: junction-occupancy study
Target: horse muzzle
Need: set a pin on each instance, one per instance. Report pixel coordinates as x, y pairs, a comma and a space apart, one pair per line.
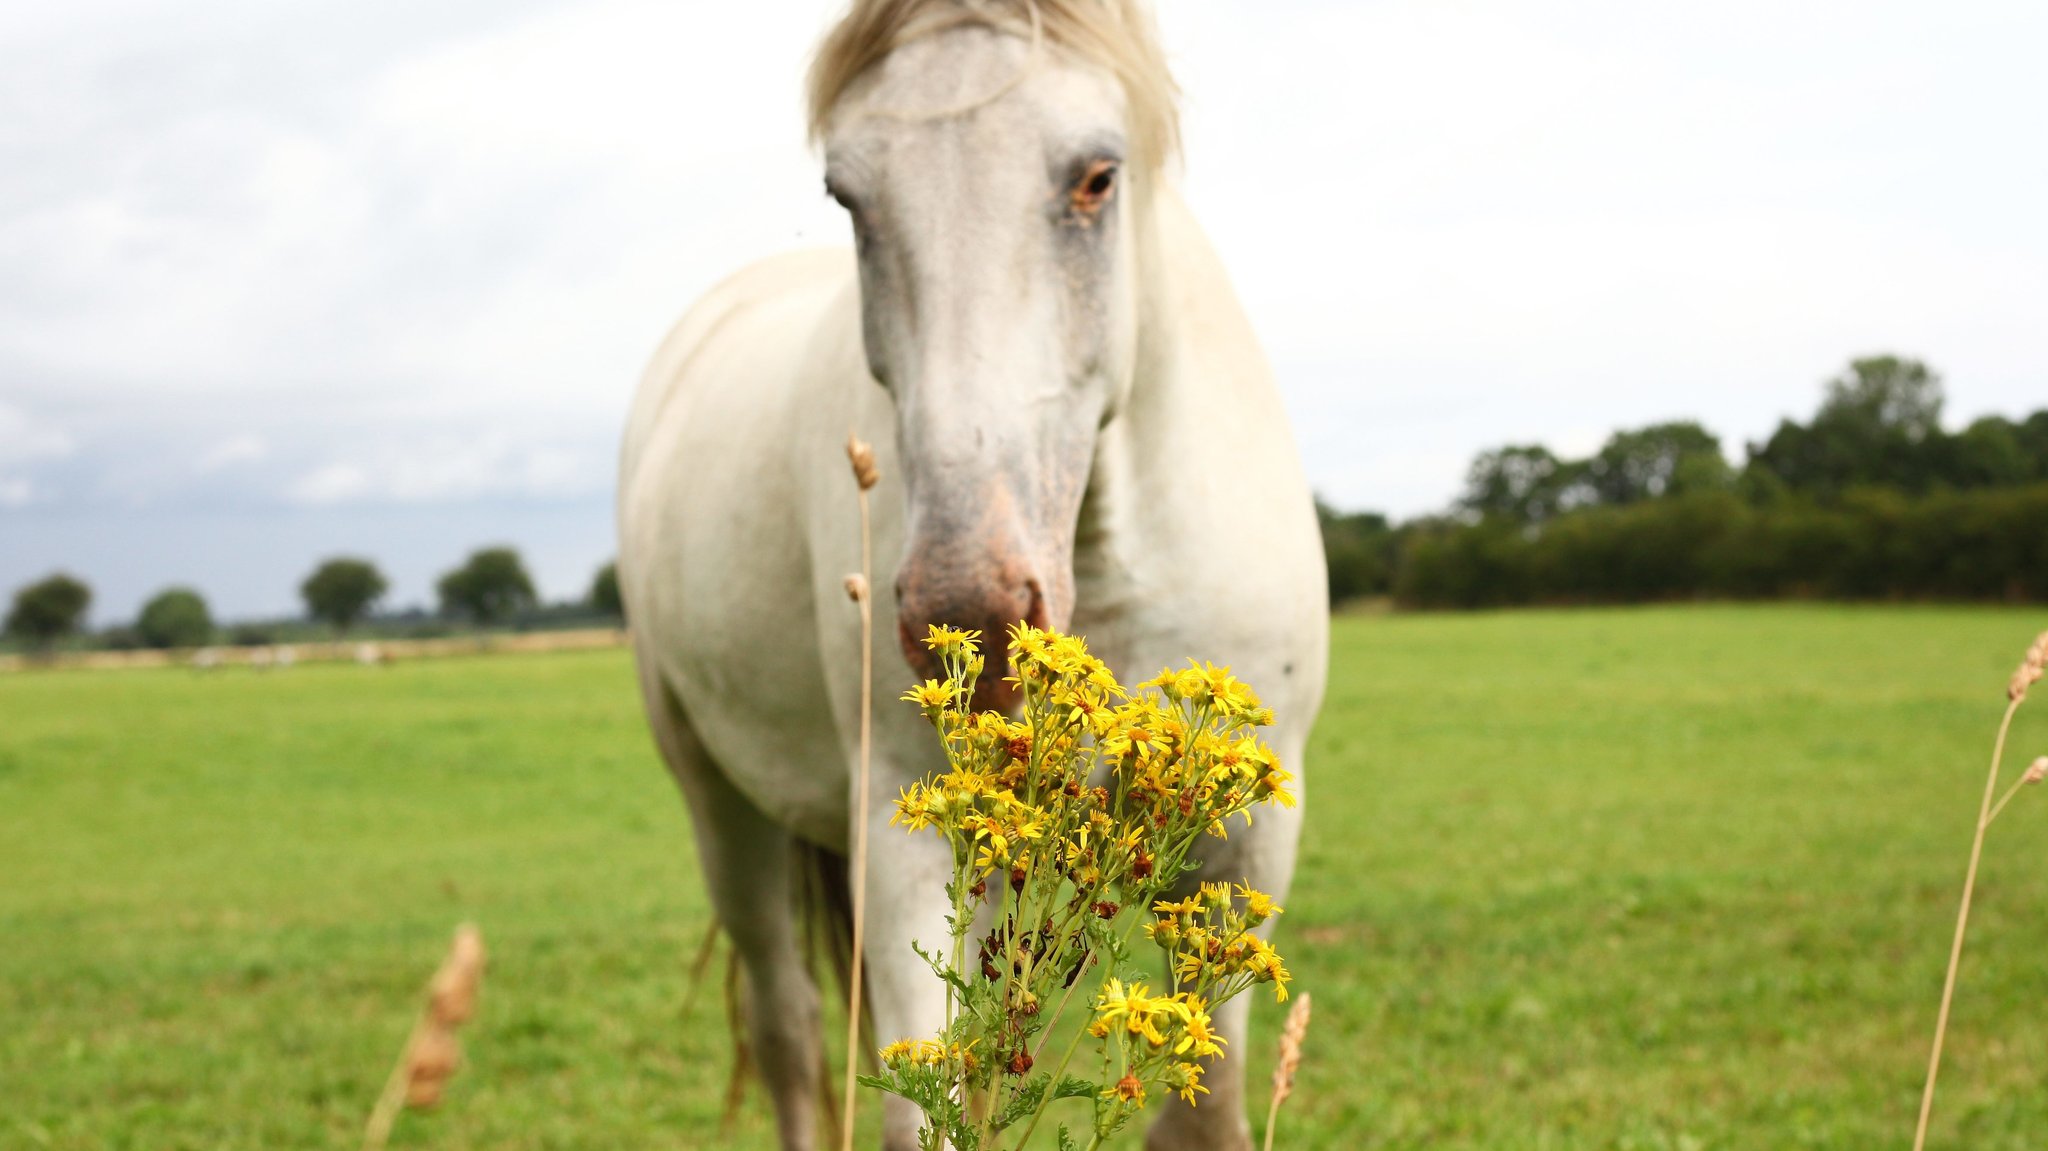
991, 597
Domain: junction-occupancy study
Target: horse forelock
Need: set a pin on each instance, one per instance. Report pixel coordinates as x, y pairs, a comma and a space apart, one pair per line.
1116, 35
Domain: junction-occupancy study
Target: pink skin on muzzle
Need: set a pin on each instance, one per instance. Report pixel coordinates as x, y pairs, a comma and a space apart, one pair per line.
989, 590
987, 549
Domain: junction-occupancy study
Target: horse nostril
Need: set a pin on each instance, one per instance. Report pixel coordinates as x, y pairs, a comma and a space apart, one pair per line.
1035, 612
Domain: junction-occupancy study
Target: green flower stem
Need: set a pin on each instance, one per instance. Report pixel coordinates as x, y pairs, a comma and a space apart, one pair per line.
1072, 1046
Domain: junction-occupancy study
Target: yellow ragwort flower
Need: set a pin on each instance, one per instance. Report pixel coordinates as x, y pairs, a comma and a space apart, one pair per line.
1139, 1012
1197, 1030
1258, 906
942, 638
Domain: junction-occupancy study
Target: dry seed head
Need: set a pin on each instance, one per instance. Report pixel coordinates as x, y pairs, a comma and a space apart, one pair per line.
856, 587
2036, 771
451, 997
863, 459
2030, 669
429, 1063
1291, 1038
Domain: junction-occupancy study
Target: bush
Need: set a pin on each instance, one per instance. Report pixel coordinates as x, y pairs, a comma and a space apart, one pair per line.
176, 617
1984, 544
121, 637
604, 592
1360, 549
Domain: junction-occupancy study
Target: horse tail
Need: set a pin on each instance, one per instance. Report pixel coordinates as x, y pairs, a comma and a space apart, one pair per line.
825, 905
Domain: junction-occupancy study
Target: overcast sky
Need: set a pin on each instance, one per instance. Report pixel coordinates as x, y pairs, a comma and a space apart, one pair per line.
279, 279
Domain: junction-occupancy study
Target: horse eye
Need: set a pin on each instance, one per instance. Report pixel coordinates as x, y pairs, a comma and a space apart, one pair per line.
1092, 190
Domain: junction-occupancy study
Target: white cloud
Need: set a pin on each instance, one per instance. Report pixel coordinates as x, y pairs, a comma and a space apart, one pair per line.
16, 493
446, 470
231, 452
331, 484
24, 439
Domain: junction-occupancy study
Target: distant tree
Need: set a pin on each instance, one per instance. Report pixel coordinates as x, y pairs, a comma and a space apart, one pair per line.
2033, 437
1524, 483
47, 610
1988, 454
1885, 393
342, 590
252, 635
176, 617
488, 588
1659, 460
1878, 425
604, 591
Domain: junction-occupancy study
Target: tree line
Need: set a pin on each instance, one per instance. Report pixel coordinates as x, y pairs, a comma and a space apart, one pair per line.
1870, 498
490, 588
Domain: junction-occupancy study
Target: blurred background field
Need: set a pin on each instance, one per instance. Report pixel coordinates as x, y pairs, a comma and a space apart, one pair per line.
1671, 878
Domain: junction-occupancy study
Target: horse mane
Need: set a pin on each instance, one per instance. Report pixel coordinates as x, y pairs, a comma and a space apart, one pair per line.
1118, 35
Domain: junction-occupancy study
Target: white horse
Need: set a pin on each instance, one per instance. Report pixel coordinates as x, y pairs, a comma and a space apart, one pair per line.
1075, 427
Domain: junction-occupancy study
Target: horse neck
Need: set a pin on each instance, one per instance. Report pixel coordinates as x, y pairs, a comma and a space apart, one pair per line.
1198, 366
1200, 429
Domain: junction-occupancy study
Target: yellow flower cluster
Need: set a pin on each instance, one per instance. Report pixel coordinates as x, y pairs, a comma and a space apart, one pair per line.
926, 1053
1209, 942
1183, 760
1067, 822
1158, 1038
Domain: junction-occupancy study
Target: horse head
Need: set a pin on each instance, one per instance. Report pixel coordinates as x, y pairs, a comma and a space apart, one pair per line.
989, 175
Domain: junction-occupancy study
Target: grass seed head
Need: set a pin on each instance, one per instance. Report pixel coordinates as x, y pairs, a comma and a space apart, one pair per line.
856, 587
429, 1063
451, 997
1291, 1039
2036, 771
2030, 669
862, 457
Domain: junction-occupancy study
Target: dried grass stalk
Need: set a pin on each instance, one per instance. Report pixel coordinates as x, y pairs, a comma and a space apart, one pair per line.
432, 1053
2030, 670
1291, 1039
865, 476
2028, 674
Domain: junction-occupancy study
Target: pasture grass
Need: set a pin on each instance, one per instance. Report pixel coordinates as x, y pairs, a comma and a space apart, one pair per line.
1674, 878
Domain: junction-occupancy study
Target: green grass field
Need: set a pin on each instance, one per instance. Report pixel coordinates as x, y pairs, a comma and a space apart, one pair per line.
1673, 878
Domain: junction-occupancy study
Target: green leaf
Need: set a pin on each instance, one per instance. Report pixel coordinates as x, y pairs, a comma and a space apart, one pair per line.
940, 967
1074, 1088
1024, 1102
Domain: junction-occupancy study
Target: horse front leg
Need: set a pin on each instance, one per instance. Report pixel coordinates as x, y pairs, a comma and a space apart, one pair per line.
906, 903
1261, 855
